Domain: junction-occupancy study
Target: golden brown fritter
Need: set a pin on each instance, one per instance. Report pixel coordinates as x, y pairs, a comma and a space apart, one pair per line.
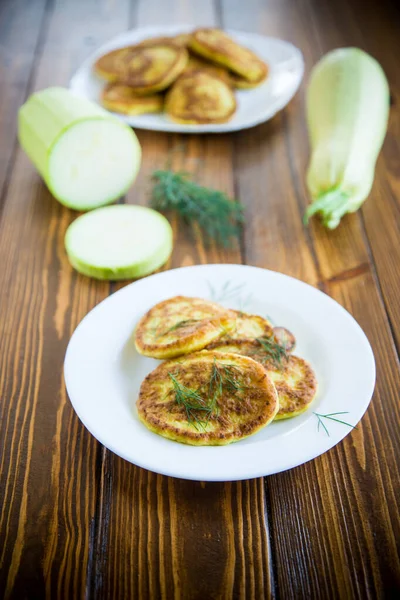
207, 398
292, 376
200, 97
217, 46
110, 65
121, 98
249, 327
181, 325
152, 68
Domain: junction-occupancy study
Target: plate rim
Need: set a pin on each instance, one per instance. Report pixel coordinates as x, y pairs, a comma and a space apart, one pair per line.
171, 127
248, 473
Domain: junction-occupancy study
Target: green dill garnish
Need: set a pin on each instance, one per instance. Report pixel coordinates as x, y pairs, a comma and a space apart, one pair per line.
218, 216
331, 417
225, 374
178, 325
201, 404
192, 402
223, 377
273, 351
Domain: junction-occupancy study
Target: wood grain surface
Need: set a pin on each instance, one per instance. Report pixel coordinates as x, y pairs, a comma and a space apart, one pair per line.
76, 521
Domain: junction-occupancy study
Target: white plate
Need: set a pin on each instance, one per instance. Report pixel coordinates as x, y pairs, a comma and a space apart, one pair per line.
254, 106
103, 372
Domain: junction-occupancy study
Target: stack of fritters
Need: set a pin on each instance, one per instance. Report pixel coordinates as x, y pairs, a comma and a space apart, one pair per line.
230, 375
191, 77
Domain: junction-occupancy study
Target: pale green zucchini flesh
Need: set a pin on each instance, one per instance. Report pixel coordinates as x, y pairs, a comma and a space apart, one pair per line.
86, 157
119, 242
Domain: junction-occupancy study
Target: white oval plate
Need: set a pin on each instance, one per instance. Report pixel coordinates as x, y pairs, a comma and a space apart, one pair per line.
103, 372
254, 106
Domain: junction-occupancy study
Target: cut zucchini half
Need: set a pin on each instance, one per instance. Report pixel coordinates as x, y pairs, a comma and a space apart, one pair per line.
86, 157
119, 242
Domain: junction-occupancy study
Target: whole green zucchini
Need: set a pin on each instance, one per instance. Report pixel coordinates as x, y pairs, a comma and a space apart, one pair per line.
347, 113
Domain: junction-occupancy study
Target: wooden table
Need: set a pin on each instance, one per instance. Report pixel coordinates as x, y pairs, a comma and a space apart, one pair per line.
76, 520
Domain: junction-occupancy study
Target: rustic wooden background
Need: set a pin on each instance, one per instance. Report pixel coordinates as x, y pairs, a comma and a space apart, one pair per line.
77, 521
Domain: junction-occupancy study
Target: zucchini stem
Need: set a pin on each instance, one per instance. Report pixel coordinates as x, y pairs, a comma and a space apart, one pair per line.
332, 206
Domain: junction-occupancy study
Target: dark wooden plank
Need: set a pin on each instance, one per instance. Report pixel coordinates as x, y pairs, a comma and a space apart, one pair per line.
336, 520
184, 539
20, 24
48, 460
325, 533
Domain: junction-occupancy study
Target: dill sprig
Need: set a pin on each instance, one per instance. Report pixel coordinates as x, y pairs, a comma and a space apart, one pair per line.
274, 352
223, 377
201, 404
179, 325
214, 212
192, 402
331, 417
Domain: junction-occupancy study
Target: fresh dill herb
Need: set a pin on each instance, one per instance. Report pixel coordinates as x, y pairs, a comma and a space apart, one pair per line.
273, 351
192, 402
179, 325
218, 216
331, 417
223, 377
201, 405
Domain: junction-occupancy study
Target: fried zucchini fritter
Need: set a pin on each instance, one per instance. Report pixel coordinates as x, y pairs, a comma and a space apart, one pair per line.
122, 99
218, 47
200, 97
111, 64
152, 68
181, 325
292, 376
249, 327
207, 398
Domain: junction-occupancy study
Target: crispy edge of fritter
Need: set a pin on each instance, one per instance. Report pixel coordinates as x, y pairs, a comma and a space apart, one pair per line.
165, 79
216, 54
192, 119
310, 380
213, 328
138, 105
241, 83
198, 438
